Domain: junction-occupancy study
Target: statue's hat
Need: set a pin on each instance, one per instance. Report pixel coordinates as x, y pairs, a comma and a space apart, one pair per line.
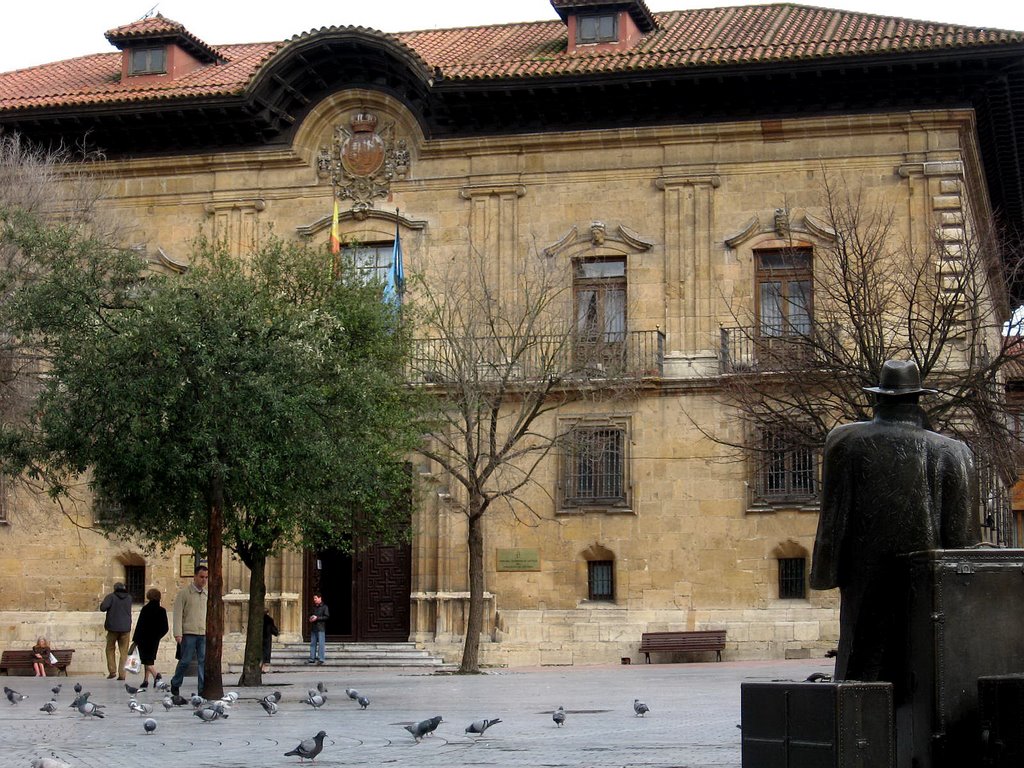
899, 377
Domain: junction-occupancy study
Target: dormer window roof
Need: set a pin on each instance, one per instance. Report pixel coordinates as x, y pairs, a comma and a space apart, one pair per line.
159, 32
637, 9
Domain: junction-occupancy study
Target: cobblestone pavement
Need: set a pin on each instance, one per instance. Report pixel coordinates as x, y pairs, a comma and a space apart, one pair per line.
692, 722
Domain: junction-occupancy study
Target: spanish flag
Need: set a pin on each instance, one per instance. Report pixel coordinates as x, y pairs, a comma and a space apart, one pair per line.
335, 233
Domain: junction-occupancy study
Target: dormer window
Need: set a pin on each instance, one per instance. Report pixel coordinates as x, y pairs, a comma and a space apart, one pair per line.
148, 61
597, 28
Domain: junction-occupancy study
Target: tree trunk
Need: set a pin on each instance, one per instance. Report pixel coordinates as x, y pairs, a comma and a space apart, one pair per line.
213, 687
253, 663
475, 621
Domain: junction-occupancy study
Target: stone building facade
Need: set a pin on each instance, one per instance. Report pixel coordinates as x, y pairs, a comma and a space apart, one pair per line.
674, 164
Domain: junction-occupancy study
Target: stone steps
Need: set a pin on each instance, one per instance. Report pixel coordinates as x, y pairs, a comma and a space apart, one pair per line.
293, 656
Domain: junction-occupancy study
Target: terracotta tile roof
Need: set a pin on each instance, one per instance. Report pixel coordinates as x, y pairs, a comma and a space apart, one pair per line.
684, 39
161, 28
637, 9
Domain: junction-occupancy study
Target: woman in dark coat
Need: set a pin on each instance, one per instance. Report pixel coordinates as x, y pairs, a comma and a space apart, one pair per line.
269, 633
150, 627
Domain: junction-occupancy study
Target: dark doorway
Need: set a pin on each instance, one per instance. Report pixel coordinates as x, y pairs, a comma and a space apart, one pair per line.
367, 592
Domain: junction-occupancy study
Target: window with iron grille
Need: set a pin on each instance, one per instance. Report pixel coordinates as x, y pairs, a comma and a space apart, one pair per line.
792, 585
594, 467
601, 579
785, 470
135, 581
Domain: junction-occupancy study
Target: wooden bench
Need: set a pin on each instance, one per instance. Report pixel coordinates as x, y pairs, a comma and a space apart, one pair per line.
24, 659
700, 640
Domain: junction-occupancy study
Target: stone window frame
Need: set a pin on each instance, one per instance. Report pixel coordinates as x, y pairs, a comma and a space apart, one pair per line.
599, 574
792, 578
135, 581
772, 460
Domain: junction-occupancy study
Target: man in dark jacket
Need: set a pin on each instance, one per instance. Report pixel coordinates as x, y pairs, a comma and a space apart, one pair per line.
890, 486
118, 607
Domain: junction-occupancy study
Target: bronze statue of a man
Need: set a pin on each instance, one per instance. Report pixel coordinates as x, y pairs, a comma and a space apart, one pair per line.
890, 486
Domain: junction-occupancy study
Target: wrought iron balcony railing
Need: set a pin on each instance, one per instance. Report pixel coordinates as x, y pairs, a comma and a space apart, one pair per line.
744, 350
633, 355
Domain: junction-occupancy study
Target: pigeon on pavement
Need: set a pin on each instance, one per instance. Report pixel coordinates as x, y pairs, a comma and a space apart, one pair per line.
78, 687
80, 699
640, 708
559, 716
432, 723
56, 689
49, 707
364, 701
13, 696
479, 726
269, 705
142, 709
315, 700
168, 703
89, 709
274, 697
352, 693
178, 701
308, 749
230, 697
321, 688
420, 729
196, 700
132, 690
149, 725
209, 714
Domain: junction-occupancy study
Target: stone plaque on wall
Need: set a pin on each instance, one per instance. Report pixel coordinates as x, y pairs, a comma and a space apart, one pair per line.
518, 560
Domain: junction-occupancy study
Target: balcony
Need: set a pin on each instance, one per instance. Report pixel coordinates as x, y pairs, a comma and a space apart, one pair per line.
634, 355
743, 350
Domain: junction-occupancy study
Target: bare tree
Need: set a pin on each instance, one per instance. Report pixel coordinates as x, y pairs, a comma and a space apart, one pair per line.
821, 332
496, 362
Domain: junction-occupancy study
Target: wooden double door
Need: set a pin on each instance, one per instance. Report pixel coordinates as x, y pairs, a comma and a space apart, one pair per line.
367, 592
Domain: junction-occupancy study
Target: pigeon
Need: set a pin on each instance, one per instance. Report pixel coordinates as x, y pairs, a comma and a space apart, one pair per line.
420, 729
479, 726
269, 705
168, 703
49, 762
132, 690
13, 696
161, 685
352, 693
432, 724
220, 706
49, 707
196, 700
316, 700
56, 689
230, 697
640, 708
149, 725
78, 687
274, 697
818, 677
80, 699
321, 688
364, 701
559, 716
209, 714
308, 749
142, 709
91, 710
178, 701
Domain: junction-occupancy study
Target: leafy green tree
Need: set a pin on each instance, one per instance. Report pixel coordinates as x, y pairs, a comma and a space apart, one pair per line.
250, 404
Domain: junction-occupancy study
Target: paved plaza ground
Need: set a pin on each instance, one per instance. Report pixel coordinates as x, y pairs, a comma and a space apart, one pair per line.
695, 710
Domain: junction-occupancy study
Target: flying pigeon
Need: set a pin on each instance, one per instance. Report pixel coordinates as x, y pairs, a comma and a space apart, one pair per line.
48, 762
364, 701
168, 703
209, 714
269, 705
640, 708
479, 726
149, 725
308, 749
132, 690
559, 716
13, 696
316, 700
432, 724
89, 709
56, 689
49, 707
352, 693
420, 729
321, 688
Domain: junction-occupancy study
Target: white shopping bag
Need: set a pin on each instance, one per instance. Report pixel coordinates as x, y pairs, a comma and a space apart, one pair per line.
53, 660
134, 663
